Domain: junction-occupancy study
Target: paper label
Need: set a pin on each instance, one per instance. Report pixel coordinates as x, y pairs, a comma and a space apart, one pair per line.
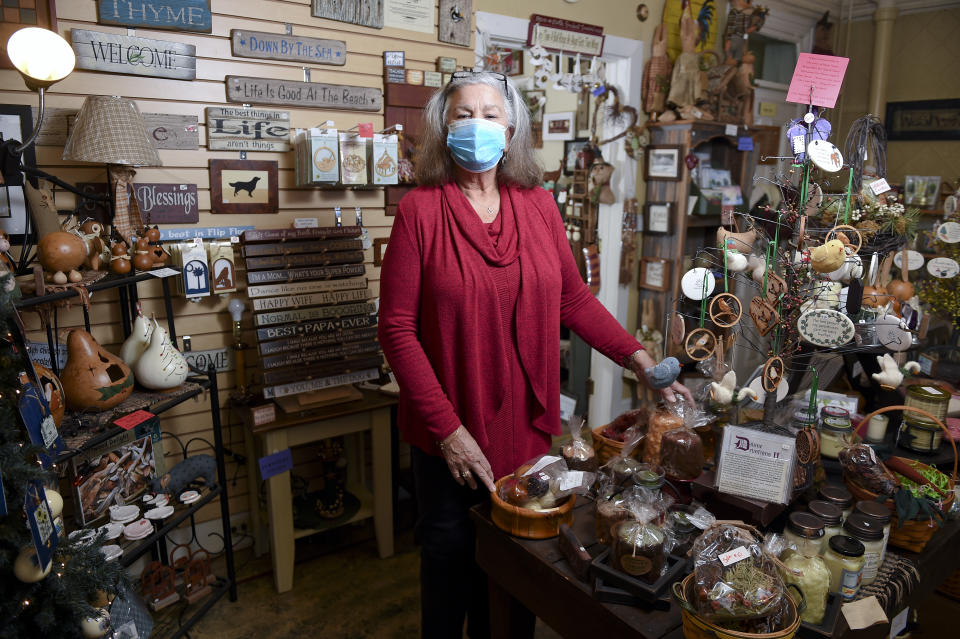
544, 461
799, 143
756, 464
263, 414
306, 223
570, 480
744, 143
275, 464
731, 557
731, 130
164, 272
933, 391
129, 421
567, 406
914, 260
849, 584
633, 565
899, 623
879, 186
817, 79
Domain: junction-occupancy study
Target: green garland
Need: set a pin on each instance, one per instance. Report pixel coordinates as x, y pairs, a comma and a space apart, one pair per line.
943, 295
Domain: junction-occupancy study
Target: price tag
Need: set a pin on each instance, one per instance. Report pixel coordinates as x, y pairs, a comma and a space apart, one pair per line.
198, 241
744, 143
306, 223
234, 239
133, 419
731, 130
567, 406
164, 272
899, 623
35, 413
799, 143
737, 554
276, 463
571, 479
879, 186
365, 129
545, 461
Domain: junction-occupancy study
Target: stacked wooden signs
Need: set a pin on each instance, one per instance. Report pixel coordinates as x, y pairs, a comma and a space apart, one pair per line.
316, 324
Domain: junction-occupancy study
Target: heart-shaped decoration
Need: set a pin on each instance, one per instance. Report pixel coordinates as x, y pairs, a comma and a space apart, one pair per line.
765, 317
616, 113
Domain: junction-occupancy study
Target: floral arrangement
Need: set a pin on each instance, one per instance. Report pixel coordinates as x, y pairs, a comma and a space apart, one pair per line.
942, 295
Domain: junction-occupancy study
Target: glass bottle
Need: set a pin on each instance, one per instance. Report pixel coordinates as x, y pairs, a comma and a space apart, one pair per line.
879, 512
838, 495
870, 533
830, 515
805, 531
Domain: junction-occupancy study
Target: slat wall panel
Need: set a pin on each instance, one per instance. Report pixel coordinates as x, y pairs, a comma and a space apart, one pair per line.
207, 322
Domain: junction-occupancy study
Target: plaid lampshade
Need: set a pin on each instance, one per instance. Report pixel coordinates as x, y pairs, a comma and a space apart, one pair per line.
110, 130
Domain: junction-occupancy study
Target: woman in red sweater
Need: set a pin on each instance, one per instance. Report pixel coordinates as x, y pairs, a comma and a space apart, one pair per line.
474, 286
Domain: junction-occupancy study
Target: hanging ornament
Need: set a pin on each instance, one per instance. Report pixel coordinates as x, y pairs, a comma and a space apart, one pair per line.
26, 567
725, 310
95, 627
700, 344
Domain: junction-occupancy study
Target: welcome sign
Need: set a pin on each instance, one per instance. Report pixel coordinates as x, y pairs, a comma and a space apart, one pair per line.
133, 55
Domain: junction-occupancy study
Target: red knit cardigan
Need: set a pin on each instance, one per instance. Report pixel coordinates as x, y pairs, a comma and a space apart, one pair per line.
439, 320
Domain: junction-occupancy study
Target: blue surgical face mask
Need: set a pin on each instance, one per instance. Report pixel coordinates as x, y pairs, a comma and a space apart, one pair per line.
476, 145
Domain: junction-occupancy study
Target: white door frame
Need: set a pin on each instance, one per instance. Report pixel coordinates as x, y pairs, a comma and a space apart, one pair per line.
624, 58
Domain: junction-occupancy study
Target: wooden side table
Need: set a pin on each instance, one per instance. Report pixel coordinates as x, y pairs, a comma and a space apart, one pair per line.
350, 418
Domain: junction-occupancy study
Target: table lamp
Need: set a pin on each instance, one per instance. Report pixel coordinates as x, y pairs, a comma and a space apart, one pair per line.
110, 130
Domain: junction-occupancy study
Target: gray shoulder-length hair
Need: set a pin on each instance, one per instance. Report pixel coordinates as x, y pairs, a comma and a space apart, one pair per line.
519, 165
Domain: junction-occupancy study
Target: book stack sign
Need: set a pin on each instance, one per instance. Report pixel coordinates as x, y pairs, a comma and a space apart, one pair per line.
314, 315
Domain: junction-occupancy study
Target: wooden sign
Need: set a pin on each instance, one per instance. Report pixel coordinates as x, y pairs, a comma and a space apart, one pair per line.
232, 129
294, 48
309, 314
367, 13
290, 261
320, 246
296, 274
393, 75
320, 370
557, 34
303, 288
310, 299
456, 22
311, 328
299, 358
221, 358
167, 203
172, 15
244, 90
316, 340
286, 235
166, 130
131, 55
282, 390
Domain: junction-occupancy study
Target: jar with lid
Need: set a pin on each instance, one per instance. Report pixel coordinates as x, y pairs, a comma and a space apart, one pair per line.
838, 495
879, 512
684, 532
830, 515
638, 550
811, 575
933, 399
611, 509
870, 533
836, 430
803, 418
648, 476
622, 469
844, 559
805, 531
919, 433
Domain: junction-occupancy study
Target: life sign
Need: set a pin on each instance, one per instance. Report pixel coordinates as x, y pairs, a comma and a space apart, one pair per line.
276, 46
115, 53
174, 15
234, 129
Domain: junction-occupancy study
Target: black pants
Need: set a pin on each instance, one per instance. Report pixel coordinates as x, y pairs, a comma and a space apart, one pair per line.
452, 586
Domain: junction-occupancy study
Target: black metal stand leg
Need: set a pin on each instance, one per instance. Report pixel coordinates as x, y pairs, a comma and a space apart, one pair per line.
86, 319
168, 308
222, 480
52, 345
125, 312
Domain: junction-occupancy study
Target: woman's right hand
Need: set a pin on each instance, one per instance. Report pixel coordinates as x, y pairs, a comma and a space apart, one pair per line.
465, 459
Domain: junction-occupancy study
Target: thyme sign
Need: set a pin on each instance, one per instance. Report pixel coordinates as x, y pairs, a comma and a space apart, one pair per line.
175, 15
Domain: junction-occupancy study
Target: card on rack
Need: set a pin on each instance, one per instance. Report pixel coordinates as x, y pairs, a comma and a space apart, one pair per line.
40, 520
35, 412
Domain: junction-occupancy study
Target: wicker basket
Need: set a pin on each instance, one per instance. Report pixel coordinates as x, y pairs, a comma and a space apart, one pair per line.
608, 448
913, 535
696, 627
526, 523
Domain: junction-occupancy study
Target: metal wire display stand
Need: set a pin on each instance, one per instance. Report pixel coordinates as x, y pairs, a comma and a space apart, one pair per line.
99, 429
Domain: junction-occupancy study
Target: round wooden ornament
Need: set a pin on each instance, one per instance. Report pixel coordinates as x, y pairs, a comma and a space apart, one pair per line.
844, 228
725, 310
772, 374
677, 328
700, 344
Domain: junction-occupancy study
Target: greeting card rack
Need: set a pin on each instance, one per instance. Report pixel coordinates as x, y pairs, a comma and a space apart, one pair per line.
83, 432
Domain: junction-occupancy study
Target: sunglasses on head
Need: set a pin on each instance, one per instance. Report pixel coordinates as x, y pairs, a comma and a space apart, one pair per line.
459, 75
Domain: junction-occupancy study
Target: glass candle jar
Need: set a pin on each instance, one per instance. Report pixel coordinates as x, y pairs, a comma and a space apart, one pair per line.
805, 531
919, 433
830, 515
683, 530
869, 532
803, 418
648, 476
933, 399
638, 550
844, 560
609, 512
877, 428
835, 432
838, 495
881, 514
814, 581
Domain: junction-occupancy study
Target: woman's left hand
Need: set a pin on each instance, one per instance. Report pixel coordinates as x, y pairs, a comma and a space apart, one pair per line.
641, 361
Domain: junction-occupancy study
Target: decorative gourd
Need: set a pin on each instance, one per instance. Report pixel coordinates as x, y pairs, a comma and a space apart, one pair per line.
61, 254
137, 343
53, 391
93, 377
901, 290
161, 366
875, 296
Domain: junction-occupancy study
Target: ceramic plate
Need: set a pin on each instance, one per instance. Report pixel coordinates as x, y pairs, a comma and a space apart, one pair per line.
949, 232
113, 530
148, 498
161, 500
111, 551
83, 535
189, 496
825, 155
891, 334
825, 327
124, 514
692, 283
159, 513
138, 529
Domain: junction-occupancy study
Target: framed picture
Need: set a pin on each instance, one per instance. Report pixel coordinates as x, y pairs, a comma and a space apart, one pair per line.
658, 218
508, 62
923, 120
19, 14
379, 250
558, 126
655, 273
663, 162
921, 191
570, 150
243, 186
16, 123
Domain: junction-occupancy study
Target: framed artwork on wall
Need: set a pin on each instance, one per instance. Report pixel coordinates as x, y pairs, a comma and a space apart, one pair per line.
570, 150
243, 186
558, 126
655, 273
658, 218
663, 162
16, 123
923, 120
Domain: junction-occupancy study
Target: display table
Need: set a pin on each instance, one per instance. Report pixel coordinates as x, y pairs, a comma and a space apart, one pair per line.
372, 413
535, 574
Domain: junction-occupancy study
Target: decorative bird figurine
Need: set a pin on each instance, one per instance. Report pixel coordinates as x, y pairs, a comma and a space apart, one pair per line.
891, 374
664, 373
828, 257
725, 392
736, 261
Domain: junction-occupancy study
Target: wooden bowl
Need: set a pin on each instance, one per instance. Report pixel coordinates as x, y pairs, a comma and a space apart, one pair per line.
526, 523
608, 448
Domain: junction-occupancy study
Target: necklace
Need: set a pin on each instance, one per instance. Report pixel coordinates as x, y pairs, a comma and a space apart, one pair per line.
491, 210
